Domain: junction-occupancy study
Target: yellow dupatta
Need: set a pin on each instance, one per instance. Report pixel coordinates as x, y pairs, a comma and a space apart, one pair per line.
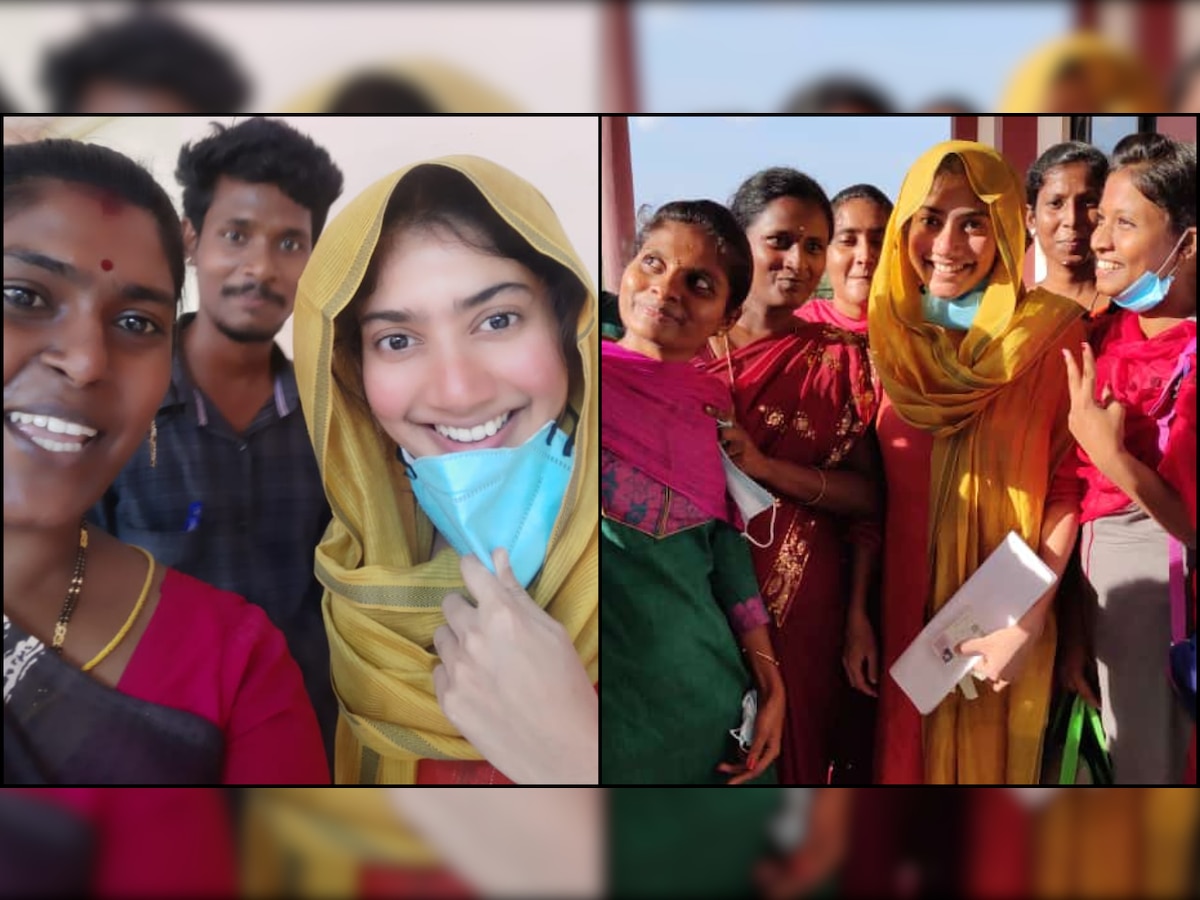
1118, 81
383, 595
314, 842
996, 405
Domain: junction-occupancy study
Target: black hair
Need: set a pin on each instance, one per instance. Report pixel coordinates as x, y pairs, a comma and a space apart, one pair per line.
381, 94
1164, 172
861, 192
260, 151
949, 103
1061, 155
761, 188
434, 198
29, 167
149, 50
828, 94
720, 224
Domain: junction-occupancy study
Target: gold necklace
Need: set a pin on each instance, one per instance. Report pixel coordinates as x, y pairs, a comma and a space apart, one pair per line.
73, 591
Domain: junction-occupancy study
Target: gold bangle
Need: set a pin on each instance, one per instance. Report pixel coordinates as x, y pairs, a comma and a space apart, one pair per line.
772, 660
821, 493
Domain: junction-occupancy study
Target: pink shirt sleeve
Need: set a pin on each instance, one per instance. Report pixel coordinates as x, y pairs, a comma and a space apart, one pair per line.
210, 652
272, 736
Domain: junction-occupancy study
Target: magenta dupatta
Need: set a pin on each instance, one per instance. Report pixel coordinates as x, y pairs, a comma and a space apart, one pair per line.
652, 417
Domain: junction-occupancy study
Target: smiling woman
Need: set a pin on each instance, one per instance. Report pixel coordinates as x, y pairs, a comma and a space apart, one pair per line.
93, 268
444, 312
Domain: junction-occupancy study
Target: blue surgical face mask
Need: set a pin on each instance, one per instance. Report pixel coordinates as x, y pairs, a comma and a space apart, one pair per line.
1148, 289
957, 313
507, 497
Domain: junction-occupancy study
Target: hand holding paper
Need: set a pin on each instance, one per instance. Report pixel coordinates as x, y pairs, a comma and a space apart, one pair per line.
981, 619
1001, 654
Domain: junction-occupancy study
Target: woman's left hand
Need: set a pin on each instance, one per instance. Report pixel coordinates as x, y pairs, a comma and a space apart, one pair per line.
511, 681
1004, 652
1099, 427
768, 735
737, 443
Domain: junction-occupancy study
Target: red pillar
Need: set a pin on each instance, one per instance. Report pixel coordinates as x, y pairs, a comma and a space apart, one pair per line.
1087, 15
1156, 28
616, 200
620, 88
1016, 138
1181, 128
964, 128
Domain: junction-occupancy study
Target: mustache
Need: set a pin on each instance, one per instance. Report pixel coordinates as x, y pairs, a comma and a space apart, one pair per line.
262, 290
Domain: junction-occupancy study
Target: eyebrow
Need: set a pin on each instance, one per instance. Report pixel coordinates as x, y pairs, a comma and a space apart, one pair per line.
970, 212
128, 290
403, 316
250, 223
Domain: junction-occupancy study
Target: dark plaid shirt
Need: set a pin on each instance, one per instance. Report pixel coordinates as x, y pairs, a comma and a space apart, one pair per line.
262, 511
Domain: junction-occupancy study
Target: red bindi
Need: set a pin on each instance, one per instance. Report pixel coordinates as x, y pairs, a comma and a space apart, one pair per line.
106, 265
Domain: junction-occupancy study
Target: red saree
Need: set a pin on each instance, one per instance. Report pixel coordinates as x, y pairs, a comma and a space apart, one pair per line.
805, 398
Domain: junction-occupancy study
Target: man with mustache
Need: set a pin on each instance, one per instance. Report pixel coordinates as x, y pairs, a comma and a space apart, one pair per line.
226, 487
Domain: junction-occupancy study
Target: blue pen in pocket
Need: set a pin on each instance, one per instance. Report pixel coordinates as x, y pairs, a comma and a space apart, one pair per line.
193, 519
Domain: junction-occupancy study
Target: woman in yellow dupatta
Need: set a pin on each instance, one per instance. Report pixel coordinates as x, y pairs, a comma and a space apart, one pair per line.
385, 577
973, 429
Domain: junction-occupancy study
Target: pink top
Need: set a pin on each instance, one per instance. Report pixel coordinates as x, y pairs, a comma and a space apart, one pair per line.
820, 309
211, 653
155, 842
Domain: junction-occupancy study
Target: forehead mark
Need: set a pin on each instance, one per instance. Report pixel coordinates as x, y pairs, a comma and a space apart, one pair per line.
110, 203
106, 265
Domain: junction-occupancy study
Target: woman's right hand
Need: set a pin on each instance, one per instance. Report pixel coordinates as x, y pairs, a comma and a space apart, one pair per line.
859, 651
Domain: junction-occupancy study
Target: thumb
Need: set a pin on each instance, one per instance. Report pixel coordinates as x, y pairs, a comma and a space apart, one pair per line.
504, 572
970, 647
872, 664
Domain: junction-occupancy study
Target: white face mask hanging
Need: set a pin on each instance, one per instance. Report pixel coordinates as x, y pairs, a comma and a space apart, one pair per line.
752, 499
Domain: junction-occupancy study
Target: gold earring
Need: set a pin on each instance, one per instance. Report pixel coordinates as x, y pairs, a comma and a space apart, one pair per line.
153, 444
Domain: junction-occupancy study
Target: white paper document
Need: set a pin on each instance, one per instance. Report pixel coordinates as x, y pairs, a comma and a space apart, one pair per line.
995, 596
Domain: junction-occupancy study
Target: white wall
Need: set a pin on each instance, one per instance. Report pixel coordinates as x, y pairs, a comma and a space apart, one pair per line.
560, 156
544, 56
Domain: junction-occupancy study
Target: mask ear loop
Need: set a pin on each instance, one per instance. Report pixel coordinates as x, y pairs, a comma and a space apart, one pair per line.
746, 534
570, 444
408, 469
1178, 260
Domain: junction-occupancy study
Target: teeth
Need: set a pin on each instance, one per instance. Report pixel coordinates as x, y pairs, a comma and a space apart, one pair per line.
57, 426
946, 269
471, 435
1106, 265
56, 446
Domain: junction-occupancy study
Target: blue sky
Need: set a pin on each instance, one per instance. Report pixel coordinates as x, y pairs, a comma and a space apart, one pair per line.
676, 158
748, 57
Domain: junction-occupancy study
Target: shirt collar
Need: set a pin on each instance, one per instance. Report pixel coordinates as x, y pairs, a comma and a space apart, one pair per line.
184, 393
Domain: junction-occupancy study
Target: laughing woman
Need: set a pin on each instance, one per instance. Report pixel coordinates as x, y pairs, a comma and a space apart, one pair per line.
446, 338
1134, 415
116, 669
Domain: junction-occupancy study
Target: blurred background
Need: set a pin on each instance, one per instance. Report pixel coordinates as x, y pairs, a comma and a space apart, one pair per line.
776, 843
1081, 56
296, 57
809, 56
